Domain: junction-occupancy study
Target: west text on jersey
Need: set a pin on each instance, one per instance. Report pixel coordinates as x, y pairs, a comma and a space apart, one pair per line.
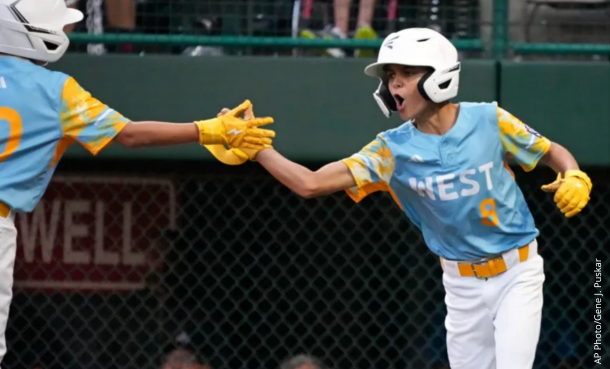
474, 178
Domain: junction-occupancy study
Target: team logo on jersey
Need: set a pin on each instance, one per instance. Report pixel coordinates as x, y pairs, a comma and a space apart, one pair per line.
416, 159
532, 131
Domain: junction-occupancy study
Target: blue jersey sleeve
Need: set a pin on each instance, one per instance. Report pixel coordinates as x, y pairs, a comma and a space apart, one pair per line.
87, 120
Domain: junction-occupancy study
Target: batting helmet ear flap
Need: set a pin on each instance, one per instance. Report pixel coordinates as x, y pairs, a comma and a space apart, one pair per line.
420, 85
384, 99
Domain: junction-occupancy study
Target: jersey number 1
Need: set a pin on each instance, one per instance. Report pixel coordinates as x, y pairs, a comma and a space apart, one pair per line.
488, 210
15, 131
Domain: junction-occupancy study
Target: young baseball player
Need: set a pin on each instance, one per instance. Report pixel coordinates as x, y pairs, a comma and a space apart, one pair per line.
43, 112
446, 168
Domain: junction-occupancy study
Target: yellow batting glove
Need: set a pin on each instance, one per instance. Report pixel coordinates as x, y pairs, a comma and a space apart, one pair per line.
571, 192
230, 129
252, 144
228, 157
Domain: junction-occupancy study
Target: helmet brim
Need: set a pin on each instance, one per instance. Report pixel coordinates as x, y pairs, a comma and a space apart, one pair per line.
377, 69
73, 16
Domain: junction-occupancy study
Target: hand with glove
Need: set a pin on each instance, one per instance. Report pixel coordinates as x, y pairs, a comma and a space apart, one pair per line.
571, 191
228, 128
252, 147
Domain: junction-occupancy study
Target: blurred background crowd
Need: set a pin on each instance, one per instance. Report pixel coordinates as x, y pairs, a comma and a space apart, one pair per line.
553, 21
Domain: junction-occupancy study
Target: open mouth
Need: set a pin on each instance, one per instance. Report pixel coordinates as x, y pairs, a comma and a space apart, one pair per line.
400, 102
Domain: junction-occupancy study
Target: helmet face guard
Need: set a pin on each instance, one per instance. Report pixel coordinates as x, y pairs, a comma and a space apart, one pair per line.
418, 47
384, 99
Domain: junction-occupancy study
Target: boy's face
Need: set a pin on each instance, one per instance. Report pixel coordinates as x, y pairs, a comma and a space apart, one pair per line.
402, 83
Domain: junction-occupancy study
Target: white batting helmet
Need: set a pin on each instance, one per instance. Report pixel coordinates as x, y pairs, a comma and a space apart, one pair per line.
421, 47
33, 29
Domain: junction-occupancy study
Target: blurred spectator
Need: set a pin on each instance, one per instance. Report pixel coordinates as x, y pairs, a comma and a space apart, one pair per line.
568, 364
71, 4
182, 359
303, 362
121, 14
120, 18
340, 28
181, 354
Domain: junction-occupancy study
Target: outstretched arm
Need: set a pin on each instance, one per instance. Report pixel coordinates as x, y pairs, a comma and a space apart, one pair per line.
93, 124
144, 134
225, 129
331, 178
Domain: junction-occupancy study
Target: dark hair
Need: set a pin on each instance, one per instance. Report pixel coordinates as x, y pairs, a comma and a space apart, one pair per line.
297, 361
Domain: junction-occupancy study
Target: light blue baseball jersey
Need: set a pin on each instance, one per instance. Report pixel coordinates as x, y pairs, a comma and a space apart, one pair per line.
456, 188
41, 114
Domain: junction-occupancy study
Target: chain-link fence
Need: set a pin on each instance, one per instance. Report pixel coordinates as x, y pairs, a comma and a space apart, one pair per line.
279, 17
116, 271
558, 29
299, 19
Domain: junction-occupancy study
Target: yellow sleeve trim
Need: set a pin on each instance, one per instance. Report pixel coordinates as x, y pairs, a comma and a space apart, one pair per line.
513, 131
97, 146
75, 109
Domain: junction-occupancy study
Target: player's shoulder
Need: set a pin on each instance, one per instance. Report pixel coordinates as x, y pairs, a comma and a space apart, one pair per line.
34, 70
478, 106
55, 78
31, 76
400, 134
479, 112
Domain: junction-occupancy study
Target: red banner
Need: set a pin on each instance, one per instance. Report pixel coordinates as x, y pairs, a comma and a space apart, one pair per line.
94, 234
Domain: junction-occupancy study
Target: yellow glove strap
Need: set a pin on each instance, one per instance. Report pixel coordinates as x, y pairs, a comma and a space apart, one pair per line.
580, 175
251, 153
211, 132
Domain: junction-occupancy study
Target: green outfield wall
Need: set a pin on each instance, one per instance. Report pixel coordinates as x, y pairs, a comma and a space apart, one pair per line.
324, 108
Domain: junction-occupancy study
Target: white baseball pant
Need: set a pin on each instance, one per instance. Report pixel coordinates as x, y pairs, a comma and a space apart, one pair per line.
494, 323
8, 248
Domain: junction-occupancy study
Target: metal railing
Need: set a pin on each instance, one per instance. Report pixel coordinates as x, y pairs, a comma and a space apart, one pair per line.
280, 24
